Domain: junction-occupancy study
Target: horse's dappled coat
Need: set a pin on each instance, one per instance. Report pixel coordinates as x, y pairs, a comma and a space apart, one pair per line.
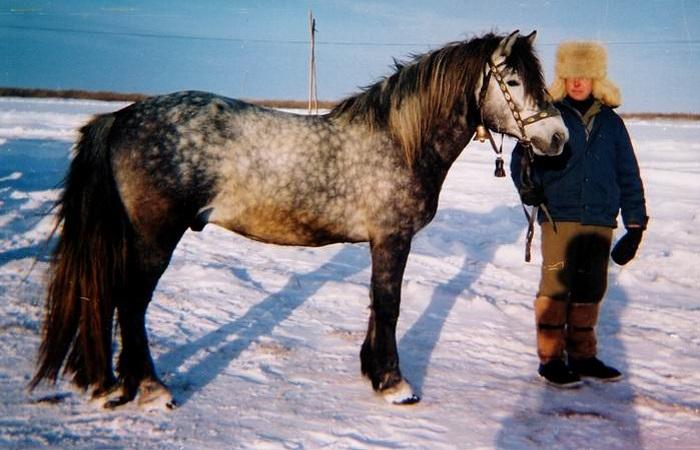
272, 176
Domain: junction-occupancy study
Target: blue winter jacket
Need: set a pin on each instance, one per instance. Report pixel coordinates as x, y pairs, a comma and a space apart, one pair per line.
594, 178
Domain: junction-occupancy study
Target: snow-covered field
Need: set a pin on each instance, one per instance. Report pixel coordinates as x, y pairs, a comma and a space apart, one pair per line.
260, 344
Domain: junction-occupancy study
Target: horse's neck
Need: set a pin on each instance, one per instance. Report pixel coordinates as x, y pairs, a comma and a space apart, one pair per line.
449, 139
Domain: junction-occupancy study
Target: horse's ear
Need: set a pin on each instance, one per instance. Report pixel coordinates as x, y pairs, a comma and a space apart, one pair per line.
531, 37
506, 44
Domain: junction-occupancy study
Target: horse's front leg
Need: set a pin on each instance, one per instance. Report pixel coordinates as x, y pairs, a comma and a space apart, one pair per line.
379, 355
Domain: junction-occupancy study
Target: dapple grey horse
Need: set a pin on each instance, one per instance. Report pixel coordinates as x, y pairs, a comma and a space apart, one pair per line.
370, 170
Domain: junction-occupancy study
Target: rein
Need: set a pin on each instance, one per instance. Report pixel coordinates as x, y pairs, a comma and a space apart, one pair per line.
528, 158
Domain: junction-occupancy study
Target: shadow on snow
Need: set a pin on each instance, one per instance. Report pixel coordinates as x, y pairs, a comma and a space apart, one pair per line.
259, 321
548, 416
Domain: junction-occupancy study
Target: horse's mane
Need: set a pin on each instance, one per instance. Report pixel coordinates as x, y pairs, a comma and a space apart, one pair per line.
424, 91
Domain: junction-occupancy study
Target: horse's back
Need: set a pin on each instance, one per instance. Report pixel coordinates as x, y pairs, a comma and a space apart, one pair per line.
194, 157
158, 150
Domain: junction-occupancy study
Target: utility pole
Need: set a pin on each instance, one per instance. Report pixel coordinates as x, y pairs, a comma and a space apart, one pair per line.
313, 95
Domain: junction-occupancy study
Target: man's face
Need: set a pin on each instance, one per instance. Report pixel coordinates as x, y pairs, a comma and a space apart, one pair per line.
579, 88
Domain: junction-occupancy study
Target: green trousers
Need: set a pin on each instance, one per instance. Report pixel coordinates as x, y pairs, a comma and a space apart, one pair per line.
573, 282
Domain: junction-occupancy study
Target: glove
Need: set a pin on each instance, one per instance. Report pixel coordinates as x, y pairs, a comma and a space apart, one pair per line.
626, 247
532, 195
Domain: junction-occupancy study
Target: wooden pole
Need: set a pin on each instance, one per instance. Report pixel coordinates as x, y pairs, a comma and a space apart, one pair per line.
313, 95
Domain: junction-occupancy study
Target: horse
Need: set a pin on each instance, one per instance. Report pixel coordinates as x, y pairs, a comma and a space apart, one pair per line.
369, 170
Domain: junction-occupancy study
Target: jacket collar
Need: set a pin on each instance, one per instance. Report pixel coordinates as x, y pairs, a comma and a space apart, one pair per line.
588, 119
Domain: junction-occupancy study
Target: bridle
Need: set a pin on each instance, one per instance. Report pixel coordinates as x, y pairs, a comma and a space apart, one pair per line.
548, 111
492, 69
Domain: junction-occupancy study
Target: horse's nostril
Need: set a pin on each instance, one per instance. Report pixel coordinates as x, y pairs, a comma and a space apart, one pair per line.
557, 139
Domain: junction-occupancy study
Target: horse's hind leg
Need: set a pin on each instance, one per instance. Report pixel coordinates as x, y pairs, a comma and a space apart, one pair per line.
379, 355
148, 260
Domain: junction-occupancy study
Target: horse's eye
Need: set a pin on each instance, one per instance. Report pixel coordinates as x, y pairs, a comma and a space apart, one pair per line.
513, 83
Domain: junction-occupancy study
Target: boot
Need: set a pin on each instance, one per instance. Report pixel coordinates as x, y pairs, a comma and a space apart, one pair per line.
550, 316
581, 342
594, 368
556, 373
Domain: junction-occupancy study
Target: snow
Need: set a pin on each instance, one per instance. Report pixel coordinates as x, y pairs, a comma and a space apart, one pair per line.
260, 344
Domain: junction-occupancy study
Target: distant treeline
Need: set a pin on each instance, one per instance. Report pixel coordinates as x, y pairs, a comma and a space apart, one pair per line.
668, 116
132, 97
70, 93
291, 104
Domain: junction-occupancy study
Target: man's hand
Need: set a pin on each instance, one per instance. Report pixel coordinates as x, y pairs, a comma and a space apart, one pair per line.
626, 247
532, 195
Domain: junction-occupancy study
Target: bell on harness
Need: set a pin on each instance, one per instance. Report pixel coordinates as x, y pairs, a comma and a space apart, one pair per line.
482, 134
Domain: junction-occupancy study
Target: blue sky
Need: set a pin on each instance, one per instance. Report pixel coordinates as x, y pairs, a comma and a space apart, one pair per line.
259, 49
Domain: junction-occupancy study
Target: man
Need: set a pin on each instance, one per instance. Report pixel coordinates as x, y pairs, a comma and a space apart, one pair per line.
584, 189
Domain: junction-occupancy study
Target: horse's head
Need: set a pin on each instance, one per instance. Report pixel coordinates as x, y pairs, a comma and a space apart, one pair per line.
513, 99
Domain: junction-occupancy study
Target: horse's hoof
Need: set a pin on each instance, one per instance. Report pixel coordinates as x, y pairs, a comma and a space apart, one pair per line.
153, 395
400, 394
110, 398
116, 402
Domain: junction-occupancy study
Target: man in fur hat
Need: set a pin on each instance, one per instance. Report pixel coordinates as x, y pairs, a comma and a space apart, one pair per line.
584, 189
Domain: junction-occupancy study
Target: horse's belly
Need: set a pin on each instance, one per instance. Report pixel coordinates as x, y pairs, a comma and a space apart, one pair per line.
285, 226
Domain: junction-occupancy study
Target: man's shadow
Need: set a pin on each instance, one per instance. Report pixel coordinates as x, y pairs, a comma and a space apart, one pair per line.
572, 418
420, 340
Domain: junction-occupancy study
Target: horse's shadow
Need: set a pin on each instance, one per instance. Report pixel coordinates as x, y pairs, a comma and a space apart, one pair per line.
29, 170
420, 340
416, 345
547, 416
259, 321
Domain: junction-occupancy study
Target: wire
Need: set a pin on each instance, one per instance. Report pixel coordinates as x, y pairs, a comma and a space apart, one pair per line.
302, 42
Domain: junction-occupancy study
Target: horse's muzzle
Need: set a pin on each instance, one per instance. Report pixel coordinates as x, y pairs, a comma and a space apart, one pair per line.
552, 148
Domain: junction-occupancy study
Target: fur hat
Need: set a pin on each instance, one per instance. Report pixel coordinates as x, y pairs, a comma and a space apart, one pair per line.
584, 59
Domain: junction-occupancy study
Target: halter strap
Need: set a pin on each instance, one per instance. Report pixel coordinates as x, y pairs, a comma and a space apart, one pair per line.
549, 111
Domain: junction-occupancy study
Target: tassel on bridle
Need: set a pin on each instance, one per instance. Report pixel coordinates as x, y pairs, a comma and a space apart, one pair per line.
500, 172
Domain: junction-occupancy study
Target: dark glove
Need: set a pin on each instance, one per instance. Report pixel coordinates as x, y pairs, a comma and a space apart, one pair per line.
626, 247
532, 195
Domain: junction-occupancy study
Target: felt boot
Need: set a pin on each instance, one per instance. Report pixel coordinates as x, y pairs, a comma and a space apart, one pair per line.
550, 316
594, 368
581, 342
557, 373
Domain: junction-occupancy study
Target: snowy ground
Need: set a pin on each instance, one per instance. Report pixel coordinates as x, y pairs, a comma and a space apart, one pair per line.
260, 343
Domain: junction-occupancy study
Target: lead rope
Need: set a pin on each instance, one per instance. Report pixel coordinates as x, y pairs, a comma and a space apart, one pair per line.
527, 160
531, 226
526, 180
530, 230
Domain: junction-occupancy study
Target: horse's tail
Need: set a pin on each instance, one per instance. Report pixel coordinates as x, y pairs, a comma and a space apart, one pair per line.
88, 267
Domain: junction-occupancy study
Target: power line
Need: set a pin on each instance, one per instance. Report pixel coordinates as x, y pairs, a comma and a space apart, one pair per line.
298, 41
208, 38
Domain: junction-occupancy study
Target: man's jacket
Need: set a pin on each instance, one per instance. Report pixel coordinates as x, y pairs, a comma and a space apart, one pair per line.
596, 175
